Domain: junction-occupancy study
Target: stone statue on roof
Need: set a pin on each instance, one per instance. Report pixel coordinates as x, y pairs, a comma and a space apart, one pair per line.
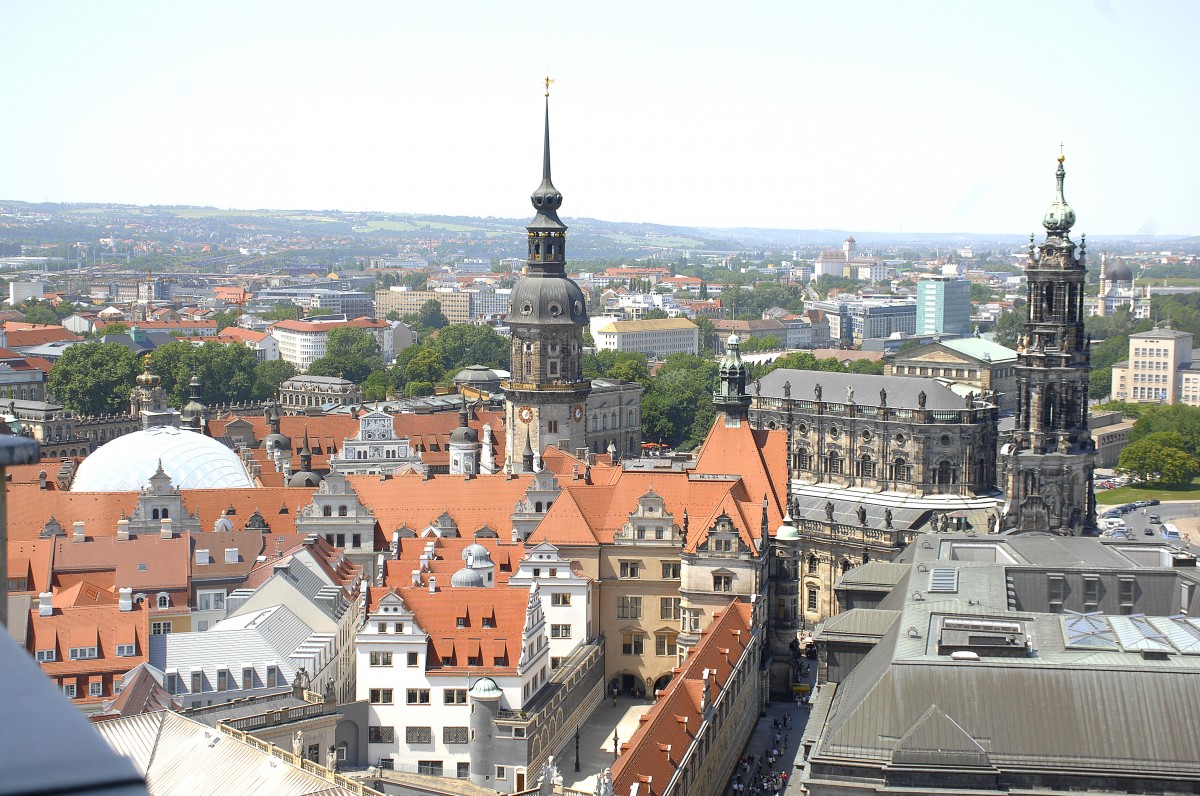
887, 518
829, 510
817, 391
921, 399
882, 397
331, 759
298, 743
604, 783
862, 515
849, 394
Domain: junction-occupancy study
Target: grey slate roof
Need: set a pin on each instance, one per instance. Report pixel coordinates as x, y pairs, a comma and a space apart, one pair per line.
902, 391
178, 755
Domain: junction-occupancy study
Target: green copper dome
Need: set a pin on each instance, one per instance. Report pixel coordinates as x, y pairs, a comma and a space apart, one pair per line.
1060, 217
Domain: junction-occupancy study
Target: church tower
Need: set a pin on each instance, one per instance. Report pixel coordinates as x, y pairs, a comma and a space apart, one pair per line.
1049, 458
731, 398
546, 393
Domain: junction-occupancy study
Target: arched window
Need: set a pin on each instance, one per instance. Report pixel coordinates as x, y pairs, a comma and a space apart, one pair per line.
164, 601
866, 467
537, 506
342, 511
812, 565
166, 513
327, 511
900, 470
154, 514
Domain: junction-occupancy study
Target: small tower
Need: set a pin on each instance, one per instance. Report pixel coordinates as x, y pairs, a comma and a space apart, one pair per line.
464, 445
194, 416
546, 394
731, 398
148, 400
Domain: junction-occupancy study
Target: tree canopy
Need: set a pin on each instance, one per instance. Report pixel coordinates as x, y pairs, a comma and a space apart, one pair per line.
351, 353
1160, 457
94, 378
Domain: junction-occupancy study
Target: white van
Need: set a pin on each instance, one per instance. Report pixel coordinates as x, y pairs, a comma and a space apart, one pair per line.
1169, 531
1113, 524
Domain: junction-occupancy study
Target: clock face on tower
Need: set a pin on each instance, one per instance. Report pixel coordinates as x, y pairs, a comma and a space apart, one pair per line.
526, 414
577, 413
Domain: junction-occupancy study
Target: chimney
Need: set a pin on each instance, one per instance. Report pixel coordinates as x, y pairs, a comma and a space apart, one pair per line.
432, 584
280, 568
45, 604
41, 479
416, 578
122, 530
125, 599
77, 531
706, 697
164, 531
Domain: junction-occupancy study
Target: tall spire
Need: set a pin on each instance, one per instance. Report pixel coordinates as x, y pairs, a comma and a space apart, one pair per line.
546, 231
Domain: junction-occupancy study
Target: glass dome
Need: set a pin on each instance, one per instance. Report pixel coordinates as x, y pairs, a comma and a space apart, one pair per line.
193, 461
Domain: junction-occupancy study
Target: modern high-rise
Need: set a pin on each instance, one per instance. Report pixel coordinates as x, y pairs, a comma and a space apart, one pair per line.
546, 395
1049, 457
944, 306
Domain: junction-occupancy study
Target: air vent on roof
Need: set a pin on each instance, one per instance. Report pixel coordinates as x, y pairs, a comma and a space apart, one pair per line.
943, 579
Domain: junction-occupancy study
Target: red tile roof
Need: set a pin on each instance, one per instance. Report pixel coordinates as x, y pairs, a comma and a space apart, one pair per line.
21, 335
645, 755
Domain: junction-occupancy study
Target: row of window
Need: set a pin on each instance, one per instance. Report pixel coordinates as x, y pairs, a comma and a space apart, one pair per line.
668, 607
417, 696
635, 644
84, 653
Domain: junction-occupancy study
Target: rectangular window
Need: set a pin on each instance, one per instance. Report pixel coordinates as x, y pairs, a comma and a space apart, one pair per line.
1091, 592
197, 682
630, 569
633, 643
81, 653
160, 628
664, 644
454, 696
722, 582
381, 659
95, 689
464, 770
222, 680
69, 690
418, 735
247, 679
1126, 595
1057, 591
381, 696
126, 650
669, 607
210, 601
430, 768
670, 570
560, 598
413, 659
381, 735
417, 696
454, 735
356, 540
629, 607
45, 656
560, 631
812, 599
501, 772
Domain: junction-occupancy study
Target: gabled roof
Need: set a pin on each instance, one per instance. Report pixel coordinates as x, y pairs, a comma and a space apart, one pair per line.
646, 755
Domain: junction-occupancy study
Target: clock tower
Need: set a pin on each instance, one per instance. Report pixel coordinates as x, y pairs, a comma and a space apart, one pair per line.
546, 392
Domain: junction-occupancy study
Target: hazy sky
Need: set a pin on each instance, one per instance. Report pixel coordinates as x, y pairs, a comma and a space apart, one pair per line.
867, 116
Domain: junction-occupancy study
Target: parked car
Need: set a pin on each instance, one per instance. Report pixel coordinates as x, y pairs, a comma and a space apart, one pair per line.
1148, 531
1153, 502
1111, 514
1154, 519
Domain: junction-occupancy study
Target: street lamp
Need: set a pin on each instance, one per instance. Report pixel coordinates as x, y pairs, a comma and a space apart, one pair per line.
577, 749
616, 751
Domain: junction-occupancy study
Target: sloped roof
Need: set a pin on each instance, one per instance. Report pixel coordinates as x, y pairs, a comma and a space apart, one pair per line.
645, 754
902, 391
415, 502
179, 755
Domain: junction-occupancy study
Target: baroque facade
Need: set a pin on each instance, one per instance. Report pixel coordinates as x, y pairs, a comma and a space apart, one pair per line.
1049, 457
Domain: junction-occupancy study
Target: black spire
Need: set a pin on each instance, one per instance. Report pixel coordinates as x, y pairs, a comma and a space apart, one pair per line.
547, 234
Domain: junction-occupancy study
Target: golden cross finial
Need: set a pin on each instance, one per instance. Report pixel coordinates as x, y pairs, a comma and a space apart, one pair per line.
1061, 156
548, 82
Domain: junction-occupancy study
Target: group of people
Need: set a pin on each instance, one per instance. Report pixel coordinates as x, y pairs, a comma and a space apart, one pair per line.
765, 774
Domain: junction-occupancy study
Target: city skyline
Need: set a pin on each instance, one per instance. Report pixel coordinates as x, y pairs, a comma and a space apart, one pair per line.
928, 117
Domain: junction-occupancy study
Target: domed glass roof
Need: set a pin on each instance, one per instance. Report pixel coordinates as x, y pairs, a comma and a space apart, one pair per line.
193, 461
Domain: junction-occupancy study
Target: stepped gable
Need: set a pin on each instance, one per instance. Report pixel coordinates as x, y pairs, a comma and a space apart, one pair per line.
415, 502
592, 513
645, 755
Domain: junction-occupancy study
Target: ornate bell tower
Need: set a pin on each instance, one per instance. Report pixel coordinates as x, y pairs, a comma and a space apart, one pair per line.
1049, 458
546, 394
